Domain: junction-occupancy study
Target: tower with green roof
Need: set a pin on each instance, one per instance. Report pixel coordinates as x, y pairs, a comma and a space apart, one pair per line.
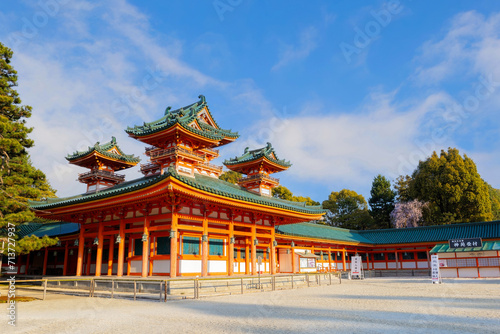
257, 165
185, 139
103, 160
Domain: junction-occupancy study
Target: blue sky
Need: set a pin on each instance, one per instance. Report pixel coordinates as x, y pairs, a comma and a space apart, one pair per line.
345, 91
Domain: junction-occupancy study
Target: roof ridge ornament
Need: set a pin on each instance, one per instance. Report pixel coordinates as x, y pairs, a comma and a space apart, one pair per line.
167, 110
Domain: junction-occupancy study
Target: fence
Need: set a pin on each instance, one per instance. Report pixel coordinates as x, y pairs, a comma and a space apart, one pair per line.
170, 289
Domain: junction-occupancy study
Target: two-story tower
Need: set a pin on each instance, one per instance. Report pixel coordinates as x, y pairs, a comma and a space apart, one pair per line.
257, 165
185, 139
102, 160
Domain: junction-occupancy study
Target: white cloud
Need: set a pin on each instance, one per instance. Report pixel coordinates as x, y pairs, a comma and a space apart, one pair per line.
291, 53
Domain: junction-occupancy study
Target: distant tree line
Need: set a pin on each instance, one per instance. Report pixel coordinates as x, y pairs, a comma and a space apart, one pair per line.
444, 189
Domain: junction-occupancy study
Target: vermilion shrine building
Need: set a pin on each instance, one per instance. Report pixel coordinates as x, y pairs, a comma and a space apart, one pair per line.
180, 219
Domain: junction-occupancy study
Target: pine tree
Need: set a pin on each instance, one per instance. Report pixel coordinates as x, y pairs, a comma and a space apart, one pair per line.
381, 201
347, 209
19, 180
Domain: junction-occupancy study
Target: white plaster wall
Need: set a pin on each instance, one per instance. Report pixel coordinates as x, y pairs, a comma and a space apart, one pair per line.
467, 272
448, 273
489, 272
161, 267
422, 265
391, 265
408, 265
189, 266
217, 266
136, 266
379, 265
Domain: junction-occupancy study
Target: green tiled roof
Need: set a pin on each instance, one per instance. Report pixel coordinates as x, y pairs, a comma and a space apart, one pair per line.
487, 246
202, 182
312, 230
434, 233
251, 155
48, 229
439, 233
184, 116
103, 149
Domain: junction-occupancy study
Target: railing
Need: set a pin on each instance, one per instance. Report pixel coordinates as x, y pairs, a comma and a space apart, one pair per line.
212, 150
259, 177
101, 173
150, 166
211, 166
174, 150
170, 289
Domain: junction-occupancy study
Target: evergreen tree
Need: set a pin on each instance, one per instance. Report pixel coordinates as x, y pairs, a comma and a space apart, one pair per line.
348, 209
402, 186
19, 180
495, 201
381, 201
285, 193
453, 189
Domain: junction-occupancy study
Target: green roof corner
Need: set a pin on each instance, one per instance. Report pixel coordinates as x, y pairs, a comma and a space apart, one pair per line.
103, 149
184, 117
252, 155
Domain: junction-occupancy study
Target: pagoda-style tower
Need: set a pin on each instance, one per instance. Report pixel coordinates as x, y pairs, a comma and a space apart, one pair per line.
102, 160
185, 139
257, 165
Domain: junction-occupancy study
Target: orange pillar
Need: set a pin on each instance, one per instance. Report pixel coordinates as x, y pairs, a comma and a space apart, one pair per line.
81, 244
45, 257
121, 249
292, 252
145, 247
273, 252
344, 267
65, 266
254, 249
129, 254
329, 259
173, 244
100, 240
231, 248
110, 256
247, 257
204, 248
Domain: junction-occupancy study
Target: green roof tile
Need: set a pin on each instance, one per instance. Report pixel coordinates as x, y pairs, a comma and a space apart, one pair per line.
312, 230
202, 182
103, 149
184, 116
252, 155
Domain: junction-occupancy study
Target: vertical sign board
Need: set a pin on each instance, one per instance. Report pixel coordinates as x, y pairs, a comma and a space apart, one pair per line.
356, 266
436, 277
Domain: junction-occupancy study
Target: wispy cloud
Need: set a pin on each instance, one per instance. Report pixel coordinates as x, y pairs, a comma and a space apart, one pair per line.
307, 42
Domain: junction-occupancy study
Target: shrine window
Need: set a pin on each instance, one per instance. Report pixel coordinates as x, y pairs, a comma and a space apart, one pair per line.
216, 247
190, 245
163, 245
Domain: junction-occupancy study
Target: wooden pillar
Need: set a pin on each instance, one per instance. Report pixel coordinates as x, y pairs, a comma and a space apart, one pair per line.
145, 247
204, 247
130, 241
292, 252
367, 260
247, 257
174, 238
81, 248
45, 257
397, 260
110, 256
273, 252
100, 240
254, 249
231, 247
121, 248
344, 266
65, 266
329, 259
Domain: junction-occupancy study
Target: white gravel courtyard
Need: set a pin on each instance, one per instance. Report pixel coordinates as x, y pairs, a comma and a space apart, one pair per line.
371, 306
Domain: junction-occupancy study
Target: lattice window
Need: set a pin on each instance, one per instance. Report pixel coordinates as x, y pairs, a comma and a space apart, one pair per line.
216, 247
190, 246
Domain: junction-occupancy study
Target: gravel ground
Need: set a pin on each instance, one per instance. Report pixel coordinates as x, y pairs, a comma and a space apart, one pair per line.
373, 305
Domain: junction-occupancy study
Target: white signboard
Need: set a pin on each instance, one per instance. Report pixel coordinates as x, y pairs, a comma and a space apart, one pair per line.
356, 266
436, 277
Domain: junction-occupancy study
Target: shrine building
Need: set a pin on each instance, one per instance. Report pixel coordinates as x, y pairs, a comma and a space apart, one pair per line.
180, 219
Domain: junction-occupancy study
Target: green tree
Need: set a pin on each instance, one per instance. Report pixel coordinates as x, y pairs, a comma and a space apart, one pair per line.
381, 202
19, 180
452, 187
495, 201
347, 209
285, 193
402, 186
230, 176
